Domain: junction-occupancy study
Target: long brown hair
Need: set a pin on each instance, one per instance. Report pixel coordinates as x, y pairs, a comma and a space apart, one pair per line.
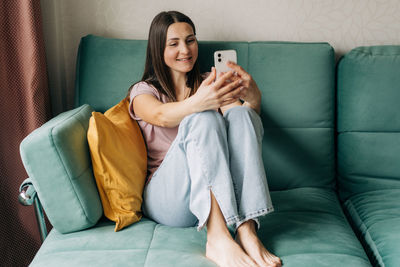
156, 72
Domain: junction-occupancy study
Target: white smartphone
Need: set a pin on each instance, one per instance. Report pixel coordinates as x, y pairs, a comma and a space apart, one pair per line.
221, 57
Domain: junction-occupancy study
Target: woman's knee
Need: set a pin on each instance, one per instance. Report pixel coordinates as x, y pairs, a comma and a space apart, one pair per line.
206, 119
242, 115
168, 207
240, 111
177, 217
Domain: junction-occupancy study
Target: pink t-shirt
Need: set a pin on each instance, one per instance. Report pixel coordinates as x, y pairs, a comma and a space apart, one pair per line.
158, 139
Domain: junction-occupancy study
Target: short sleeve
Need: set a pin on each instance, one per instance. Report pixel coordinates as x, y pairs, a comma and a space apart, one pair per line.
140, 89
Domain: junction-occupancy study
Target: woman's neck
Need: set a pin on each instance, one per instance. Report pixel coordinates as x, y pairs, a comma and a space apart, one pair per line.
179, 82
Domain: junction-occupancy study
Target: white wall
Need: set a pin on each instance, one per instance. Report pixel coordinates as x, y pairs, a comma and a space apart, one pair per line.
345, 24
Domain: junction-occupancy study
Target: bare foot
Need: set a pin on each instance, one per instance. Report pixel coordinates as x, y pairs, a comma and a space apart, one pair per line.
225, 252
247, 238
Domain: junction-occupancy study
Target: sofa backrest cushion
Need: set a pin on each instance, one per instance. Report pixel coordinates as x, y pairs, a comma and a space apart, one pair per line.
105, 70
56, 158
369, 120
296, 79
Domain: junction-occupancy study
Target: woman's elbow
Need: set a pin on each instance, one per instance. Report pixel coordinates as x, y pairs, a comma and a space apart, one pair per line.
163, 121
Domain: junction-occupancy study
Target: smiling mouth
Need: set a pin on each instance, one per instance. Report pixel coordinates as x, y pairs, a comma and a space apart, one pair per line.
184, 59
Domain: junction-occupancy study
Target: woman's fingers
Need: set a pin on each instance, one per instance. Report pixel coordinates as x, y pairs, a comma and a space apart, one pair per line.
221, 79
228, 101
229, 87
210, 77
237, 68
233, 78
234, 94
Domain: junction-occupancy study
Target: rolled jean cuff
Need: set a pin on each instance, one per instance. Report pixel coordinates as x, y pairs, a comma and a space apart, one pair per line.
254, 216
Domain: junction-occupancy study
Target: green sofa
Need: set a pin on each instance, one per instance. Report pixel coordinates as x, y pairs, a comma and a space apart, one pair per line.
331, 151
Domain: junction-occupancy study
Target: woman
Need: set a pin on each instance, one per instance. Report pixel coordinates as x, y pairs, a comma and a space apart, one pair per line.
204, 145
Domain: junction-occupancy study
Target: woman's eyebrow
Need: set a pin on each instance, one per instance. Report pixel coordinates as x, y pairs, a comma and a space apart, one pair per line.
176, 38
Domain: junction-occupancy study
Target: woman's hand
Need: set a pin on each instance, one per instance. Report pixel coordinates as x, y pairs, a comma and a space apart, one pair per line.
250, 94
213, 95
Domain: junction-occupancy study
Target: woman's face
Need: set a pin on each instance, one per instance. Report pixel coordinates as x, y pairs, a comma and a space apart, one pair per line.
181, 48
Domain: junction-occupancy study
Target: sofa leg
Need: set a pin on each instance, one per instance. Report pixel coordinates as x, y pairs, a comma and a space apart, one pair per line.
40, 219
27, 197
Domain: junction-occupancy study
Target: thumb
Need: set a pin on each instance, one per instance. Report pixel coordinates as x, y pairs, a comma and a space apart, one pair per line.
210, 77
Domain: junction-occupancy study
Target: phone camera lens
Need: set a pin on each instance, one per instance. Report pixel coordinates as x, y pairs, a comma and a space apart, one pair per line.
219, 60
219, 55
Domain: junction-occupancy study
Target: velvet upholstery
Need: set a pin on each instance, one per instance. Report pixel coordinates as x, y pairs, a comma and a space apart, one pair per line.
296, 79
369, 148
309, 226
297, 109
105, 70
376, 216
56, 159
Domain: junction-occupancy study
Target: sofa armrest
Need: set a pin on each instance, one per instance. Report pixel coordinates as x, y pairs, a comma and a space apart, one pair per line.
28, 197
57, 159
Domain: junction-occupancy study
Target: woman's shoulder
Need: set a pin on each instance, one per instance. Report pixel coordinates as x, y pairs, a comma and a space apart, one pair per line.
143, 87
140, 88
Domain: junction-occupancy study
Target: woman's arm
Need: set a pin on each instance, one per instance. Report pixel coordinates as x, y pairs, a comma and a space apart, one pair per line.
210, 95
251, 95
256, 107
153, 111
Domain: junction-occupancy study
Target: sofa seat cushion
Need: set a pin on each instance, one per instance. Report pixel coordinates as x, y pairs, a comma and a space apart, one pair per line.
144, 243
376, 216
308, 228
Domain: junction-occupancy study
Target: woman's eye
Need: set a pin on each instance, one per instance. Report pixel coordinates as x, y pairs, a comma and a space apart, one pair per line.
190, 40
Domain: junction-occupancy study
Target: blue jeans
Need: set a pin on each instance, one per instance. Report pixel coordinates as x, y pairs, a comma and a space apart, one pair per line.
214, 153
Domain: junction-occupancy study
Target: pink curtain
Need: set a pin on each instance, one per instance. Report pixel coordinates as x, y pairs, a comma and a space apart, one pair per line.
24, 106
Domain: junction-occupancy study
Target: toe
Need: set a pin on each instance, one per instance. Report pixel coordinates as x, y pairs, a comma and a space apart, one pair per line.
272, 260
278, 261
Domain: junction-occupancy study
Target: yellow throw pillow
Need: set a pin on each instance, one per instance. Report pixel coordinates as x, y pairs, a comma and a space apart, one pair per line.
119, 160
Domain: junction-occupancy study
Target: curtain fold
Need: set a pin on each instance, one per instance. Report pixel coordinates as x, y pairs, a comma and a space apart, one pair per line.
25, 105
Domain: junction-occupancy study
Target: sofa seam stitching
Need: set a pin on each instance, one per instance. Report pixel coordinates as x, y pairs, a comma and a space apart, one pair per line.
367, 131
38, 188
277, 127
310, 211
67, 173
373, 177
370, 53
328, 253
350, 203
151, 242
88, 167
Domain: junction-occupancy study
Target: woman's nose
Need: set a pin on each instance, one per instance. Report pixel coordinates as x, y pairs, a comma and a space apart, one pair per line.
184, 49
